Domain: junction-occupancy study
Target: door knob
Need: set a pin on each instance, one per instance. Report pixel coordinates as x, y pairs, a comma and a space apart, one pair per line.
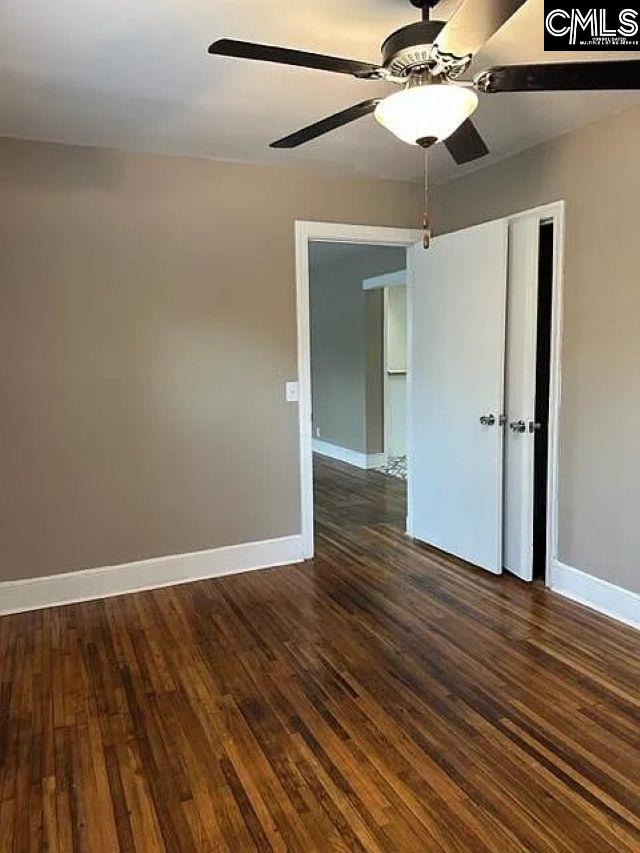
517, 426
487, 420
534, 426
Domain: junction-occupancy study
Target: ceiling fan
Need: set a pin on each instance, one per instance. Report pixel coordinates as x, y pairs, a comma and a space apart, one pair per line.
426, 59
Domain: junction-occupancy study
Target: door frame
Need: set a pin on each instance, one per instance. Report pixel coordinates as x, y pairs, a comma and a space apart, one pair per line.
552, 212
325, 232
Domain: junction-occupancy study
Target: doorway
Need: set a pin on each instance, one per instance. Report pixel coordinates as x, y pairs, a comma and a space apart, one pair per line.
461, 323
476, 438
308, 234
533, 310
357, 335
393, 287
395, 377
348, 321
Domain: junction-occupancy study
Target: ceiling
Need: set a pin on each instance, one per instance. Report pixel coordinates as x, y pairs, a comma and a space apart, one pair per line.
134, 74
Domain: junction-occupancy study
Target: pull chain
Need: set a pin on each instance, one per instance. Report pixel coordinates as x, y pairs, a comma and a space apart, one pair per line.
426, 225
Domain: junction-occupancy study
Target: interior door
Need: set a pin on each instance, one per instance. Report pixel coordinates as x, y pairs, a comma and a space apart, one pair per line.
457, 332
520, 389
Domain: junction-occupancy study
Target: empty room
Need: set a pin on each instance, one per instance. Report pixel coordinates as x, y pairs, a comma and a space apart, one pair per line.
319, 460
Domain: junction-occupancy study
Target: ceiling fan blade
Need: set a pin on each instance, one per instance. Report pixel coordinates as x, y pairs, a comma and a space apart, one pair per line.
561, 76
465, 143
472, 24
287, 56
326, 124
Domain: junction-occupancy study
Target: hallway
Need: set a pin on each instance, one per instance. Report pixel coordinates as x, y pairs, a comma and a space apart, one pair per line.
345, 495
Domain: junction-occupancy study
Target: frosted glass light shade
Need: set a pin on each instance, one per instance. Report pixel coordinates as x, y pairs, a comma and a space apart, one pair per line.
421, 112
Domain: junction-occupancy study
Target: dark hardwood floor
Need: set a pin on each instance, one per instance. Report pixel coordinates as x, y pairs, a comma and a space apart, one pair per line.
380, 697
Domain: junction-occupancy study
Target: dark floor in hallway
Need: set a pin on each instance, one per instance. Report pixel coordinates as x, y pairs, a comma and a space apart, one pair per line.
345, 495
379, 697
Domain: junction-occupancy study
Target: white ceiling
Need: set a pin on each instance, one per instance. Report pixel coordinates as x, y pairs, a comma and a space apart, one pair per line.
134, 74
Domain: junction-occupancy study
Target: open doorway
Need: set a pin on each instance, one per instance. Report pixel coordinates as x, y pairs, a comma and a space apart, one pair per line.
395, 381
349, 490
462, 413
357, 311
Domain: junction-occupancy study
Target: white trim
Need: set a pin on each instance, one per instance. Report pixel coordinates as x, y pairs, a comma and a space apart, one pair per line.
304, 386
334, 233
615, 601
372, 235
388, 279
345, 454
106, 581
555, 212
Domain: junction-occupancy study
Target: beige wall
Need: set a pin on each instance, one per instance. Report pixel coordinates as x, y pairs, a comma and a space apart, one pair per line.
374, 367
597, 171
147, 325
346, 343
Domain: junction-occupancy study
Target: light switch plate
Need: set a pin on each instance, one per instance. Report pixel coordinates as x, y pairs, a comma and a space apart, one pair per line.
291, 392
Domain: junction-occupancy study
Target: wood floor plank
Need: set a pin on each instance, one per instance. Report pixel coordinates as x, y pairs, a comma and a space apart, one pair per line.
381, 697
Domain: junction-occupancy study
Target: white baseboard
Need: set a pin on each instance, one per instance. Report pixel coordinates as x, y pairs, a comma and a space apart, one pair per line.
600, 595
106, 581
344, 454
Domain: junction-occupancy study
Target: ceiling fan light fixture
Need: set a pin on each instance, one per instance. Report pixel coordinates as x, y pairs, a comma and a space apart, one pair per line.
430, 111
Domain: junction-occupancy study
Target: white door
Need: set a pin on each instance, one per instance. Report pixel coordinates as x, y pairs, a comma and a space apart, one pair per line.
520, 392
457, 332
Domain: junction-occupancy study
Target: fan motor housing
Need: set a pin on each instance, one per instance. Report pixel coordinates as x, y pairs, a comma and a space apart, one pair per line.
410, 48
